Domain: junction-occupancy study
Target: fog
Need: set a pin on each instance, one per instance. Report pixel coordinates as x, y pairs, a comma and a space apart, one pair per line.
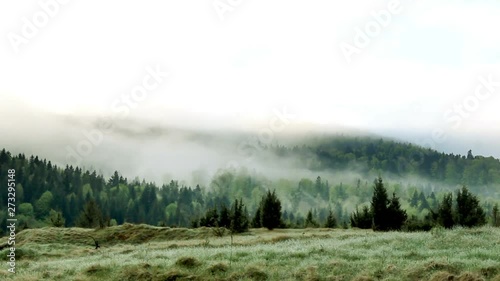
162, 151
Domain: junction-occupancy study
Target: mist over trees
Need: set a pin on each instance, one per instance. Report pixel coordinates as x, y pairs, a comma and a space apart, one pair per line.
238, 198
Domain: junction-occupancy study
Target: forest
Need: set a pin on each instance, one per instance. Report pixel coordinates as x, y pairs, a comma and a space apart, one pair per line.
64, 196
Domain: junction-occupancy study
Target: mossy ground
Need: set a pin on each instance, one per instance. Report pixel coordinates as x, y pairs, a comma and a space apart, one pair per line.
141, 252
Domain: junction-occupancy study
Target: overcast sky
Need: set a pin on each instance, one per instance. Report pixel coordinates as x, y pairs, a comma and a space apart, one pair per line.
382, 66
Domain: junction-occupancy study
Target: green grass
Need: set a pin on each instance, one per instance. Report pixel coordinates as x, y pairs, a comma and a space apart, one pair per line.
141, 252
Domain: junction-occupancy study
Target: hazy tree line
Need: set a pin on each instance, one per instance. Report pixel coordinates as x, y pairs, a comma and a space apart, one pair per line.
51, 195
379, 156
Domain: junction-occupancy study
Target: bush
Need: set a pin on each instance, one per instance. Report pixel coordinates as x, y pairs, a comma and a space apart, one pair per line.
362, 219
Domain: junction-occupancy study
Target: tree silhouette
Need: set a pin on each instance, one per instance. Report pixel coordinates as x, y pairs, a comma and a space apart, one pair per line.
379, 206
469, 213
445, 211
271, 211
331, 221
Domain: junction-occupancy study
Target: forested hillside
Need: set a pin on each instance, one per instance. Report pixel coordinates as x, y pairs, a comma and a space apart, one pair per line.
379, 156
50, 195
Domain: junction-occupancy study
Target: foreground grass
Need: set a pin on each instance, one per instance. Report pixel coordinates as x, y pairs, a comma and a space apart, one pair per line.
140, 252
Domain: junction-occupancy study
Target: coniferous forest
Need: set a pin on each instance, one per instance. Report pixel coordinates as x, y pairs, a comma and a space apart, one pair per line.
461, 192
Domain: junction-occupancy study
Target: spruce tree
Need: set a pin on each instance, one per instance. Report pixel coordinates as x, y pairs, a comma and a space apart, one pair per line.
257, 219
91, 216
379, 206
469, 213
271, 211
331, 222
225, 217
363, 219
495, 216
239, 219
396, 216
310, 222
211, 218
414, 199
445, 211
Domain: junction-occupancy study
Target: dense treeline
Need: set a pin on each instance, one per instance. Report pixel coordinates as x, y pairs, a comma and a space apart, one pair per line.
378, 156
69, 196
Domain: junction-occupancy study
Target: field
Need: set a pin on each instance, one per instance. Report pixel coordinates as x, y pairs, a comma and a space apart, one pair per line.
141, 252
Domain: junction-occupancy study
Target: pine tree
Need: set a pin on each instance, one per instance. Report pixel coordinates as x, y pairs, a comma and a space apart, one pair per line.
271, 211
495, 216
469, 213
379, 206
414, 199
225, 217
211, 218
331, 221
445, 211
239, 219
91, 216
424, 204
257, 219
363, 219
396, 216
310, 222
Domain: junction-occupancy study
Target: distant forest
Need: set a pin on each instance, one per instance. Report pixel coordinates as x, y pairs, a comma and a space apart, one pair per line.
50, 195
381, 156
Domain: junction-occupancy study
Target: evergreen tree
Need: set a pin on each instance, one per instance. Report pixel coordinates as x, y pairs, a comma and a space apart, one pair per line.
310, 222
271, 211
239, 219
396, 216
445, 211
424, 204
225, 217
56, 219
363, 219
211, 218
379, 206
331, 221
257, 219
495, 216
469, 213
414, 199
91, 216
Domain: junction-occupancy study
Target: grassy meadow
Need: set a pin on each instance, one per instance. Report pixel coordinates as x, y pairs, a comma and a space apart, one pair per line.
142, 252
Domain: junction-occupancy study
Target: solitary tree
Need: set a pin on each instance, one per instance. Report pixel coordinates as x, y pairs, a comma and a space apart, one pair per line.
310, 222
331, 221
379, 206
271, 211
495, 218
91, 216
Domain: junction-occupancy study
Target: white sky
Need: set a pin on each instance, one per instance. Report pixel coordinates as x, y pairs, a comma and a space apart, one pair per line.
263, 55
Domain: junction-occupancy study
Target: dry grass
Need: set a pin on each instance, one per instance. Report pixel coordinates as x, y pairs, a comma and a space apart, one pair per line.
292, 254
